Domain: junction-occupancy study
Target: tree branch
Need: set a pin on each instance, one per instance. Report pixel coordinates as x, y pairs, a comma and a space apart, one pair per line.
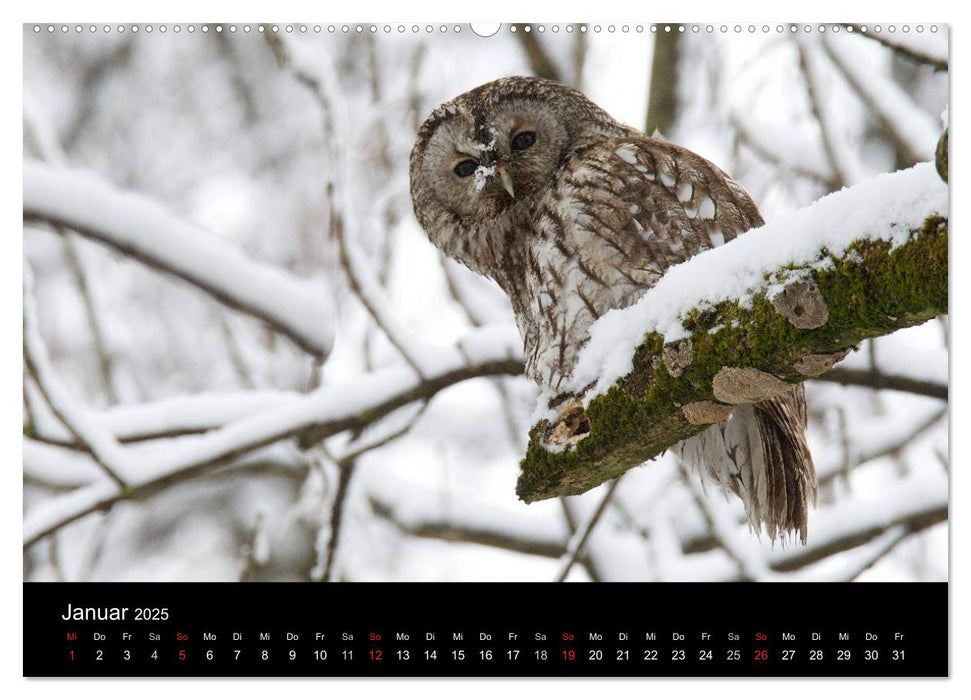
662, 102
912, 130
97, 441
539, 61
877, 380
842, 158
913, 50
442, 528
311, 418
145, 231
579, 539
793, 322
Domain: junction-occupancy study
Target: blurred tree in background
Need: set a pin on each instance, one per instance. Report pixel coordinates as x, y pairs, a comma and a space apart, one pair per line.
243, 360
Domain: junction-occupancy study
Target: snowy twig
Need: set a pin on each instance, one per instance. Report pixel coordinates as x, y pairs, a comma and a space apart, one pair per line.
870, 260
314, 72
147, 232
40, 134
101, 444
477, 319
367, 289
312, 417
254, 551
850, 524
170, 418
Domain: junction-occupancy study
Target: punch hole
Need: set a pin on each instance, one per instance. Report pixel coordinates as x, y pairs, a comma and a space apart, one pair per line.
485, 29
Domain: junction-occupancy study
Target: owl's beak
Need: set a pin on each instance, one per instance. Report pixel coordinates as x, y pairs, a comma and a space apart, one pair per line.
506, 181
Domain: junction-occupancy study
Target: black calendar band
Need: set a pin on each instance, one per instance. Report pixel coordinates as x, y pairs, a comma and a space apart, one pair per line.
504, 629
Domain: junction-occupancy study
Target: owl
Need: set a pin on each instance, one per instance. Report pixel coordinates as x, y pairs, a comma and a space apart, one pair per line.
573, 214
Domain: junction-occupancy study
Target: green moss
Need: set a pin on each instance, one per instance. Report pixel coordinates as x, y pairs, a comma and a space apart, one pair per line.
870, 291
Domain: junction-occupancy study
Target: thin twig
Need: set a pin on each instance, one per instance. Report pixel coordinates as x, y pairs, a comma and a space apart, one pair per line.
906, 51
213, 450
877, 380
105, 450
345, 472
322, 85
252, 556
579, 540
839, 159
450, 531
886, 450
875, 551
911, 129
41, 137
750, 565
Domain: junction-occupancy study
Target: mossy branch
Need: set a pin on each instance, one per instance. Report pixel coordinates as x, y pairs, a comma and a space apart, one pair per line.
868, 291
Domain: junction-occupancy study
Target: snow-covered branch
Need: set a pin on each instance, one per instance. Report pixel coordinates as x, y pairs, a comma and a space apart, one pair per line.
740, 323
146, 231
310, 417
102, 445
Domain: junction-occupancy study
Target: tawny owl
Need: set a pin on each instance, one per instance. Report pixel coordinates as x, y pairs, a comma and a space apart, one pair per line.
573, 214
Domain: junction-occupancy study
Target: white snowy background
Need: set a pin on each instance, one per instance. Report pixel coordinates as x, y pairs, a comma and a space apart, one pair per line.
242, 205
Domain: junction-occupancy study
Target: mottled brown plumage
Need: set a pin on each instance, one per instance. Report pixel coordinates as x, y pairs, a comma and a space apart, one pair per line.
573, 214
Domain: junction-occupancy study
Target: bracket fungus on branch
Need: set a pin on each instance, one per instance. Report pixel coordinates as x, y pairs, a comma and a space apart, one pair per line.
741, 352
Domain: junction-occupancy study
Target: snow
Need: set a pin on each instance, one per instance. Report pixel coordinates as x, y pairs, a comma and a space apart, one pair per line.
885, 207
336, 405
179, 414
136, 224
482, 173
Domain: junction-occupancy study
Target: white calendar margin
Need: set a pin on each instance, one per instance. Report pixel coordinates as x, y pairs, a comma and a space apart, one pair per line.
605, 11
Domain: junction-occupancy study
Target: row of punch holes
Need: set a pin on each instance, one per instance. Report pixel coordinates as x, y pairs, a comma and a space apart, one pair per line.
484, 29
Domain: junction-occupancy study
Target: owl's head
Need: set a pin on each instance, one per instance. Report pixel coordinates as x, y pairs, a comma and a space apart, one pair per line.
483, 159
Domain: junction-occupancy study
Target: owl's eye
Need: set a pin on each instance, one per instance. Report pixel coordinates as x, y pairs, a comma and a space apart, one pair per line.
465, 168
523, 140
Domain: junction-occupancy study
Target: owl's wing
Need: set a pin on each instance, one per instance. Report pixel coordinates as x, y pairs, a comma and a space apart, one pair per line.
620, 212
652, 203
631, 208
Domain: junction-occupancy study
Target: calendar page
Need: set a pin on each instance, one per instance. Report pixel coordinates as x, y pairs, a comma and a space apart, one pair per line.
554, 349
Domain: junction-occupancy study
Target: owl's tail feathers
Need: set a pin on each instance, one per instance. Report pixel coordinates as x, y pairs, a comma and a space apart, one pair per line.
760, 455
790, 474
